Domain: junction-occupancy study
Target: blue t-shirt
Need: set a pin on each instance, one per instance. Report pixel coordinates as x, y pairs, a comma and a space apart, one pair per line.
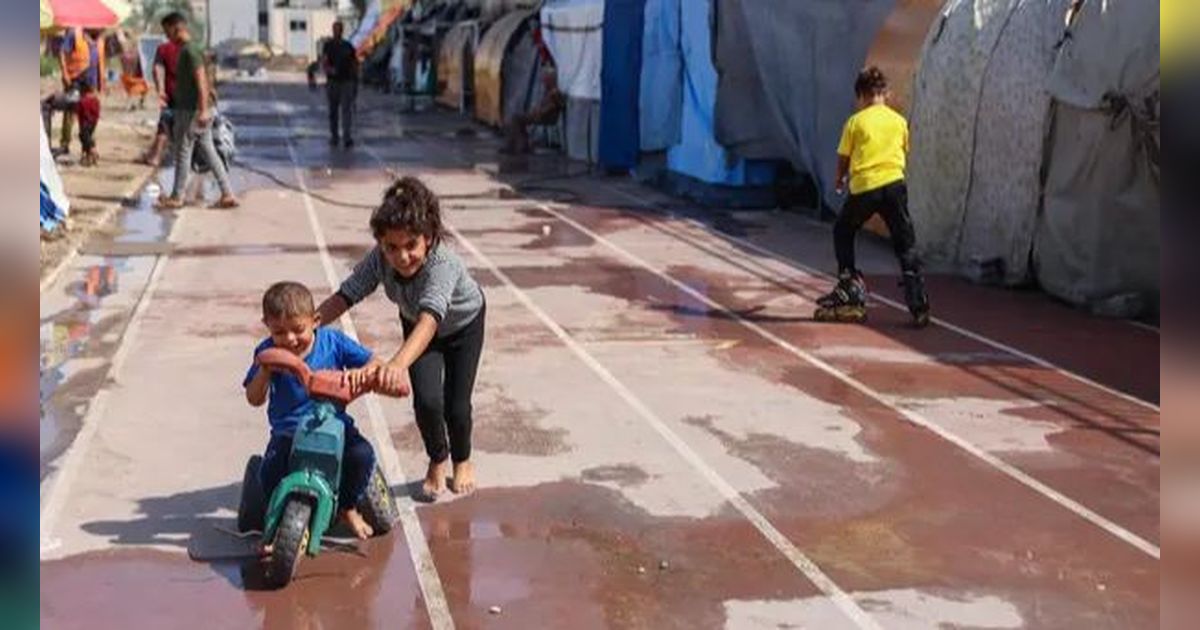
287, 402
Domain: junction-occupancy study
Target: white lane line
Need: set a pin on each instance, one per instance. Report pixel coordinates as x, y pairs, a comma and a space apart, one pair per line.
418, 546
776, 538
760, 522
1000, 465
71, 460
810, 271
1143, 326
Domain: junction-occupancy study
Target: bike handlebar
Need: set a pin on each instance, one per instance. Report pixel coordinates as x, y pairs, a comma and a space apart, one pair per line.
329, 385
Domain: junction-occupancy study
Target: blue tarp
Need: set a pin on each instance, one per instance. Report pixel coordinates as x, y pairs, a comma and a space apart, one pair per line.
620, 83
52, 214
661, 96
698, 154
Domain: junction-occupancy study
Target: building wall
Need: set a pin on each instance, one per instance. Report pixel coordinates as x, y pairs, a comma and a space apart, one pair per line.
318, 23
233, 19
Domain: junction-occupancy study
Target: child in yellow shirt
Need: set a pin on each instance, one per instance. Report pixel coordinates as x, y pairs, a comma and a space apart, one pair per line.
871, 156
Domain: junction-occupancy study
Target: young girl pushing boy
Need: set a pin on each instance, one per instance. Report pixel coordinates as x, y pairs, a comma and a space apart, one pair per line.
441, 311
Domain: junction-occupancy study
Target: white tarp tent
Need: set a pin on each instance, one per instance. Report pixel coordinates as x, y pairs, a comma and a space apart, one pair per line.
573, 31
1098, 240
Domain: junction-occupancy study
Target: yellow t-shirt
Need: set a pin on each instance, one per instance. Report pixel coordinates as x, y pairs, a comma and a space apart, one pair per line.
876, 141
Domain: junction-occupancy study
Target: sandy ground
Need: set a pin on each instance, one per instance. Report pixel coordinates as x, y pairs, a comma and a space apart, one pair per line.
97, 192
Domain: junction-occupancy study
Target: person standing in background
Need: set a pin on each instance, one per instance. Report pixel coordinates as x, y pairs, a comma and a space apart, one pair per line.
340, 62
165, 59
192, 115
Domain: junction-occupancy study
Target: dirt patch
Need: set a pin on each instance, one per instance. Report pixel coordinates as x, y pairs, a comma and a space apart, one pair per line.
97, 192
622, 474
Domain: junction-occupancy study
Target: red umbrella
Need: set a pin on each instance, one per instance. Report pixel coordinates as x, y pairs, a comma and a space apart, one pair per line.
83, 13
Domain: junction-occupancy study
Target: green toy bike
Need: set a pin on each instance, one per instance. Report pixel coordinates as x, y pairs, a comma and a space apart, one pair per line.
302, 508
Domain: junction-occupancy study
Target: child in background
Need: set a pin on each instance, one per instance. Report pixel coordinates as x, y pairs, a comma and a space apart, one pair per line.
442, 313
88, 113
872, 156
289, 315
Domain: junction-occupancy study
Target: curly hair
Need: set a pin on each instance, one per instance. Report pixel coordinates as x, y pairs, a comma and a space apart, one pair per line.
410, 206
870, 83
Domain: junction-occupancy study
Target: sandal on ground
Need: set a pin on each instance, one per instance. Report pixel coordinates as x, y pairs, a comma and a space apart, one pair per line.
169, 203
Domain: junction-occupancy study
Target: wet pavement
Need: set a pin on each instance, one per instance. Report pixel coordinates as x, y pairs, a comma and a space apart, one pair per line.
663, 436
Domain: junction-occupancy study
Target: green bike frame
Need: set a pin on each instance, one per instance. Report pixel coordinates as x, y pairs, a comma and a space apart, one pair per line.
316, 465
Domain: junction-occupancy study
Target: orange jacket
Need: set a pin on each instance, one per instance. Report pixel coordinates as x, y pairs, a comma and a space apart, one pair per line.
76, 62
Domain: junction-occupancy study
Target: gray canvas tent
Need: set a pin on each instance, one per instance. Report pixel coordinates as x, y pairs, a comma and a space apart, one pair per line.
1098, 240
1019, 166
786, 78
978, 124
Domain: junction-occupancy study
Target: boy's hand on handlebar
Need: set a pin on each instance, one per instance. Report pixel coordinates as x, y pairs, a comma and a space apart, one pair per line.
360, 379
264, 368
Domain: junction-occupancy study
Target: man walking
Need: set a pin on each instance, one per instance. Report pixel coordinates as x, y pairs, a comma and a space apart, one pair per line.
193, 115
340, 62
166, 57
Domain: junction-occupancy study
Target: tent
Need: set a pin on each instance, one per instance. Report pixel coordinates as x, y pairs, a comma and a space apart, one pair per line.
506, 66
1034, 148
455, 62
573, 32
699, 155
620, 83
896, 47
661, 95
785, 77
415, 42
978, 125
53, 200
1098, 239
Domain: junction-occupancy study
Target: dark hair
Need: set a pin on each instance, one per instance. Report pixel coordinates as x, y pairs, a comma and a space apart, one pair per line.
287, 299
410, 206
870, 83
171, 19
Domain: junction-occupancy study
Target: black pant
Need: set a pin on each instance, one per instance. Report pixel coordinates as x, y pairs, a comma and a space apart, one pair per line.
890, 201
87, 137
342, 95
442, 380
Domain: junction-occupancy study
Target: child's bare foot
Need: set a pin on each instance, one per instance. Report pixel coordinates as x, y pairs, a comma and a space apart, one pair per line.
464, 478
226, 202
435, 479
357, 524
